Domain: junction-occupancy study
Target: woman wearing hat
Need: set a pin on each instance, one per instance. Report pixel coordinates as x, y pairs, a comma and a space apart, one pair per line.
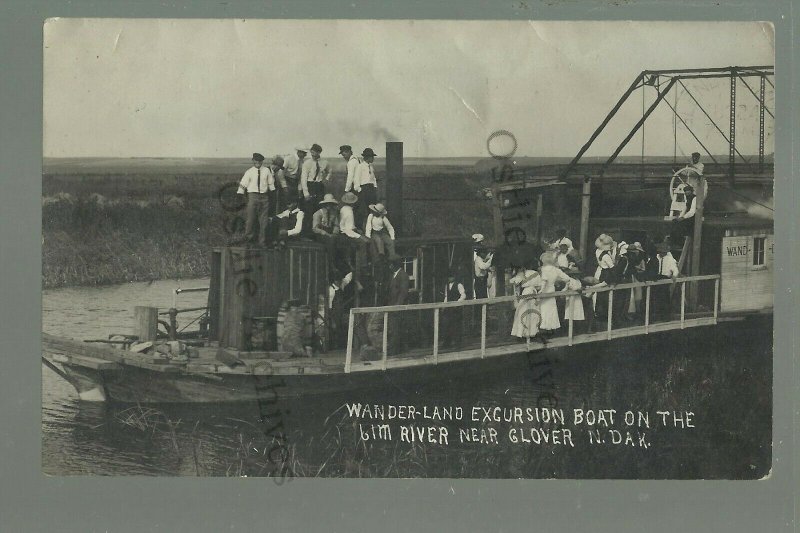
527, 317
380, 230
365, 184
552, 275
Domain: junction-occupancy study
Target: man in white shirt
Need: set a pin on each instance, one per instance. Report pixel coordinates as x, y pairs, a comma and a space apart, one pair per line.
662, 266
694, 176
365, 183
346, 151
292, 168
314, 174
257, 183
380, 230
683, 224
349, 234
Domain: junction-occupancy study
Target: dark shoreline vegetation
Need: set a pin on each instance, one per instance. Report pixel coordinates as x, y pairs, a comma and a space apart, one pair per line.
88, 242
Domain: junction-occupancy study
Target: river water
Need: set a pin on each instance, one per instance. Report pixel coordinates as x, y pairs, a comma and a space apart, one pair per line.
721, 375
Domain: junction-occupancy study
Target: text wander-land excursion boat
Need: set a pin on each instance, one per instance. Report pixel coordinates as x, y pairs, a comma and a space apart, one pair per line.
268, 329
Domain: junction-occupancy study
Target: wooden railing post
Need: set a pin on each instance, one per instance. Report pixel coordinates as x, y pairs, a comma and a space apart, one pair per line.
385, 338
483, 330
683, 303
349, 356
610, 311
716, 299
569, 337
647, 310
436, 335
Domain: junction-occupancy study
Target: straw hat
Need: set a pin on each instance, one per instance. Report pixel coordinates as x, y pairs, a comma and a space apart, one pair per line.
548, 258
349, 198
378, 208
329, 199
477, 238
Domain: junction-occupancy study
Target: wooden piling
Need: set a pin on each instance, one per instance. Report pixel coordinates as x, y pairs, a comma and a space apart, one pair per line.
146, 322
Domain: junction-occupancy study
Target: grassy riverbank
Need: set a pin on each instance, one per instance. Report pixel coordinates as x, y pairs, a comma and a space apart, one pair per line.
86, 242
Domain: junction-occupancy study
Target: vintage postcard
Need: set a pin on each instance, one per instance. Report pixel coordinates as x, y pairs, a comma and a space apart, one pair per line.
451, 249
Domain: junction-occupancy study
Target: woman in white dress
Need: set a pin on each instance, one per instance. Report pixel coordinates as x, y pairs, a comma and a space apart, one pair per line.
527, 315
551, 274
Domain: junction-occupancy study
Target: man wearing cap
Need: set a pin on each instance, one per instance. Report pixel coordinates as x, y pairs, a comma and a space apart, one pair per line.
293, 167
280, 181
257, 182
314, 174
366, 185
346, 151
380, 230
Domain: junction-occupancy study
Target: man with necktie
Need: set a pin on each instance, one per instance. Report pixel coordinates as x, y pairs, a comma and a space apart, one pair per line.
257, 182
366, 186
292, 169
314, 174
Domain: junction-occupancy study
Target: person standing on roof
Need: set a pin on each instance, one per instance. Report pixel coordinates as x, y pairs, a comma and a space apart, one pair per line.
293, 167
281, 186
366, 185
346, 151
314, 174
257, 183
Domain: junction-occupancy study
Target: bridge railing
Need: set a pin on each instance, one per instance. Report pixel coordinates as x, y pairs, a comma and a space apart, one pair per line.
430, 329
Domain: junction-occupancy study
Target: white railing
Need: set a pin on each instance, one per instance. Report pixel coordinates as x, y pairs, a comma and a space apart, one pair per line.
588, 291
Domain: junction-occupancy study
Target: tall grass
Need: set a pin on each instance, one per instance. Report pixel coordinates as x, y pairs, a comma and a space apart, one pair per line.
88, 243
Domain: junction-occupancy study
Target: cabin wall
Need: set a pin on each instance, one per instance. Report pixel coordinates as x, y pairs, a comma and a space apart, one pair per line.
255, 282
746, 285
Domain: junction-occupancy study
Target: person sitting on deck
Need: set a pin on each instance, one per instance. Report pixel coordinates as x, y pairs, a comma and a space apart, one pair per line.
380, 230
325, 224
350, 235
257, 182
288, 223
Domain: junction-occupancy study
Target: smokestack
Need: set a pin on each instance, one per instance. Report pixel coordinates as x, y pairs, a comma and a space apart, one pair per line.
394, 184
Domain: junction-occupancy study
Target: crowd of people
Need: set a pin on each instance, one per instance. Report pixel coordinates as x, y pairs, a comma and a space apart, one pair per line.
560, 268
290, 198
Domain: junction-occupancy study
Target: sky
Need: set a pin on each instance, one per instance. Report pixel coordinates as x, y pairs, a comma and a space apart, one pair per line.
226, 88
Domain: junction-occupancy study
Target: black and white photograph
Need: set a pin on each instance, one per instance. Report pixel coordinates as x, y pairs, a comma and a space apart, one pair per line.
489, 249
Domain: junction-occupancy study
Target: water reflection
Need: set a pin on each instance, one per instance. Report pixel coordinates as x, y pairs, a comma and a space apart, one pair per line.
723, 376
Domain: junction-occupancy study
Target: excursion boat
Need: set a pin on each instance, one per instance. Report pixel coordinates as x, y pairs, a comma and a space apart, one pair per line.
267, 330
